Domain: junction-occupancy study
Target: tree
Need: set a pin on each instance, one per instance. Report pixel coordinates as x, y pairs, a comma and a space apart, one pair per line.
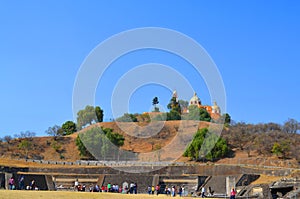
82, 149
128, 117
173, 115
227, 119
196, 113
291, 126
99, 143
25, 146
204, 115
68, 127
7, 138
99, 113
281, 149
115, 138
209, 144
175, 110
174, 105
154, 103
183, 104
55, 131
86, 116
27, 134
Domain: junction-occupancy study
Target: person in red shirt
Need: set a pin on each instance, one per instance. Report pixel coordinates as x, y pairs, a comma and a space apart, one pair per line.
232, 193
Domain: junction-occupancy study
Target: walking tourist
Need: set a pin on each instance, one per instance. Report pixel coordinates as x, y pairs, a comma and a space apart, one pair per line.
203, 192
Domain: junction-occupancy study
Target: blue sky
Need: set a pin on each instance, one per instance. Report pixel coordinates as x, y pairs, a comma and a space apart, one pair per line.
254, 44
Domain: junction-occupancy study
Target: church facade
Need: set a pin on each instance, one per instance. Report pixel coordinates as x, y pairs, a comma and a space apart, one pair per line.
214, 110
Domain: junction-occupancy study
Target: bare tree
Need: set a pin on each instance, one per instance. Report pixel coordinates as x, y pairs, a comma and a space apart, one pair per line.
291, 126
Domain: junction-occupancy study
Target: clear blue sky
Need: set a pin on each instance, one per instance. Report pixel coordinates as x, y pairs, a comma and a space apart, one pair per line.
255, 45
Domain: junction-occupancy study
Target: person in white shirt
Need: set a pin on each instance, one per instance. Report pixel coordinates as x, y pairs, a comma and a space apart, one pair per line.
203, 192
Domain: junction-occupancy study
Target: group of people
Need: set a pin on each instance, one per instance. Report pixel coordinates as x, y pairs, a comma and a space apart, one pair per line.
169, 191
114, 188
21, 184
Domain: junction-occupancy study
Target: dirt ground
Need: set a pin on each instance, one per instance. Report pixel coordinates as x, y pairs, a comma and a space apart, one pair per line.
5, 194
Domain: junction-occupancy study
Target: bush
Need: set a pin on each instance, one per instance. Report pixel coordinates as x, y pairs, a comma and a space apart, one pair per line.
209, 144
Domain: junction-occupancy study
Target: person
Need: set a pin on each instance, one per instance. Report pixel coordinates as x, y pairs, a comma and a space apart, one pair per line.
173, 191
167, 191
32, 185
21, 182
135, 188
117, 188
96, 188
203, 192
131, 186
152, 190
157, 189
91, 188
180, 191
11, 183
109, 187
232, 193
76, 184
149, 190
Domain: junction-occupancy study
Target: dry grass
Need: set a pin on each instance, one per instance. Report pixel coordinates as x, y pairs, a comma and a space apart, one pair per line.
4, 194
264, 179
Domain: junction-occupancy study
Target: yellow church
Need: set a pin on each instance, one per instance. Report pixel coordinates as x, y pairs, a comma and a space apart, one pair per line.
214, 110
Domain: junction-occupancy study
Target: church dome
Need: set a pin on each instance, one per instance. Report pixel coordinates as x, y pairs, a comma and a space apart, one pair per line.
216, 108
195, 100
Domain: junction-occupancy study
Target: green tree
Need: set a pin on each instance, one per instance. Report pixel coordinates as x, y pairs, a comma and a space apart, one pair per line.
175, 110
86, 116
196, 113
154, 103
281, 149
115, 138
99, 114
173, 115
82, 149
99, 143
174, 105
128, 118
69, 127
227, 119
208, 144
